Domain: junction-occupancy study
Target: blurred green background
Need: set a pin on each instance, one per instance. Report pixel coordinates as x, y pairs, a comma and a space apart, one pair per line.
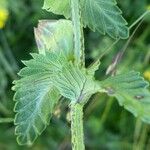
107, 125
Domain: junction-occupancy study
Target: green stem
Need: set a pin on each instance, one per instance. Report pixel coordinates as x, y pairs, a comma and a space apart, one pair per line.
6, 120
77, 134
78, 32
139, 19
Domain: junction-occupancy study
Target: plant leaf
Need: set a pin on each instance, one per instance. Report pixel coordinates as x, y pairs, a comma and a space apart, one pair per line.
93, 68
104, 17
99, 15
36, 96
76, 84
130, 91
58, 7
55, 36
44, 79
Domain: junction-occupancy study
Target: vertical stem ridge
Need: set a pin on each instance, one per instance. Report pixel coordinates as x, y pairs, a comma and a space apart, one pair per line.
78, 32
77, 126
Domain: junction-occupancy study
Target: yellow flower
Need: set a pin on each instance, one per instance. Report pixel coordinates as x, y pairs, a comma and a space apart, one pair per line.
3, 17
147, 74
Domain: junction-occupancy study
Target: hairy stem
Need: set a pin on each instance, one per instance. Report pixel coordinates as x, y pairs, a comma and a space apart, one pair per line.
76, 108
77, 126
78, 32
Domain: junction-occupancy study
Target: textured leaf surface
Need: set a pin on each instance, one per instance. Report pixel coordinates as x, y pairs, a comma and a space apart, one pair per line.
93, 68
35, 96
76, 84
99, 15
44, 79
55, 36
105, 17
130, 91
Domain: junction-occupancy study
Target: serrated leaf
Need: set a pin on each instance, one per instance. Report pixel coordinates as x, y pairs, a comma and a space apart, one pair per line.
104, 17
131, 93
36, 96
76, 84
99, 15
44, 79
55, 36
93, 68
33, 112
